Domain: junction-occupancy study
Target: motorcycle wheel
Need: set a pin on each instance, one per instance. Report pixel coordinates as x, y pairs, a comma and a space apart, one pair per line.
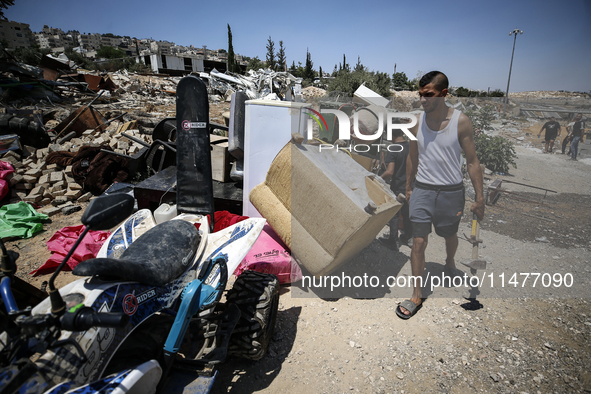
257, 296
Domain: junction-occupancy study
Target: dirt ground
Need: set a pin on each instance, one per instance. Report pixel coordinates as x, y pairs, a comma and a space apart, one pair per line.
513, 339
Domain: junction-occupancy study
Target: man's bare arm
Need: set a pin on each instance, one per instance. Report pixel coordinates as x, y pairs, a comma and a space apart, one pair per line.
412, 162
466, 138
389, 171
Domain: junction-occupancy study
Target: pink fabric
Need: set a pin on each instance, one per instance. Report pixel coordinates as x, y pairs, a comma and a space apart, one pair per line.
5, 170
270, 255
62, 241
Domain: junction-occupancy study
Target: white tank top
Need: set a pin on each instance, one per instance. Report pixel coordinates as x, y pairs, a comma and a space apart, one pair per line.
440, 160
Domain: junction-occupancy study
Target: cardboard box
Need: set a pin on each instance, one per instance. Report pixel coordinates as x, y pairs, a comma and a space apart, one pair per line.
220, 158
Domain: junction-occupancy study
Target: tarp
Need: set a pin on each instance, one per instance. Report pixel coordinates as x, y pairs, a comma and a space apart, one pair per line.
62, 241
20, 220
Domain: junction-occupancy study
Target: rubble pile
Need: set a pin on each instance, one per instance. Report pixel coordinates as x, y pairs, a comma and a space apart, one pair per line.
135, 89
53, 187
546, 94
313, 92
405, 93
260, 84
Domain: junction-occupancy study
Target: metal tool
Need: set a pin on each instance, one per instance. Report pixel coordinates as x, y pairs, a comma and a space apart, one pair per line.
475, 263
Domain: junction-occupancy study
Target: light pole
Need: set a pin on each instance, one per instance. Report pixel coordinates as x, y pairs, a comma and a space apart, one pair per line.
512, 33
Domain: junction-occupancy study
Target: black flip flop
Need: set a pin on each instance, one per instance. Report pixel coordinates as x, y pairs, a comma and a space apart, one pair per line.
410, 306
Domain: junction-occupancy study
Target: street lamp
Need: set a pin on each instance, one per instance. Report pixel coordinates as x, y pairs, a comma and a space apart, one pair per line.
511, 33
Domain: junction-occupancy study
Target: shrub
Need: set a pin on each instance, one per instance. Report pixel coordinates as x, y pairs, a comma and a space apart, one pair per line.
481, 119
496, 153
349, 81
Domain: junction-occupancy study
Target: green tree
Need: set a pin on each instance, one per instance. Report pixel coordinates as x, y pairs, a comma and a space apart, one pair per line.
4, 4
271, 62
80, 60
110, 52
320, 73
400, 81
308, 70
497, 93
348, 82
359, 66
232, 63
381, 84
281, 60
462, 92
31, 56
255, 64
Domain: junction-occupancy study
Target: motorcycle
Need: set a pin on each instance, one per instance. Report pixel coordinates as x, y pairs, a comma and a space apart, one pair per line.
146, 317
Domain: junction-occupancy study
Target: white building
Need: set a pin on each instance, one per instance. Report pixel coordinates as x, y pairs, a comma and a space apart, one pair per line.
164, 63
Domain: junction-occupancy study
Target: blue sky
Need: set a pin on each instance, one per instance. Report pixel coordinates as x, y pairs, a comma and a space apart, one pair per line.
467, 40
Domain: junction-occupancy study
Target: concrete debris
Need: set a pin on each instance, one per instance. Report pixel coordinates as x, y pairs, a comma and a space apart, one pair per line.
313, 92
51, 185
260, 84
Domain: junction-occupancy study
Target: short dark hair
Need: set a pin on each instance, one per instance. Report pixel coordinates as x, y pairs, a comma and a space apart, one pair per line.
437, 78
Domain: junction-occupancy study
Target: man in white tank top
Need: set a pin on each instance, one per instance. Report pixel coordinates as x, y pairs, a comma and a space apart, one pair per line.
435, 161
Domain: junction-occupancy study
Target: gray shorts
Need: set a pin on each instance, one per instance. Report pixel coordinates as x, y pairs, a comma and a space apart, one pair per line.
443, 208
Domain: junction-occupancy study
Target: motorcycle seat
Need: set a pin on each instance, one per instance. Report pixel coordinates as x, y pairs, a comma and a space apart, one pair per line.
159, 256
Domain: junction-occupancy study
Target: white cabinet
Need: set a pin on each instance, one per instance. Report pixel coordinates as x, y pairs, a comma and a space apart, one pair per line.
268, 127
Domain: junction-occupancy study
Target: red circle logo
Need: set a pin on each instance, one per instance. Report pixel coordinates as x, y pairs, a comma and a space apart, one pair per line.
129, 304
186, 125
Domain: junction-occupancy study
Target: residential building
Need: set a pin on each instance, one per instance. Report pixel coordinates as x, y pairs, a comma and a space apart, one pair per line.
109, 40
91, 41
161, 47
16, 35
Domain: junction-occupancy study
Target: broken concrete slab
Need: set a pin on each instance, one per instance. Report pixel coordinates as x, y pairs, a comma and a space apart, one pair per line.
51, 211
56, 177
71, 209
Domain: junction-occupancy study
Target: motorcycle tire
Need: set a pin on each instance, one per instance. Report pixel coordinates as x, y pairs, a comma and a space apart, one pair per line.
257, 296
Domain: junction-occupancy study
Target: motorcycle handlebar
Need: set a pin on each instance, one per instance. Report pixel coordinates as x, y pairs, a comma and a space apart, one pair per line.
85, 318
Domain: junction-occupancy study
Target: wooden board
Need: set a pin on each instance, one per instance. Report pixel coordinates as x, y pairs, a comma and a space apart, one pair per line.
220, 158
